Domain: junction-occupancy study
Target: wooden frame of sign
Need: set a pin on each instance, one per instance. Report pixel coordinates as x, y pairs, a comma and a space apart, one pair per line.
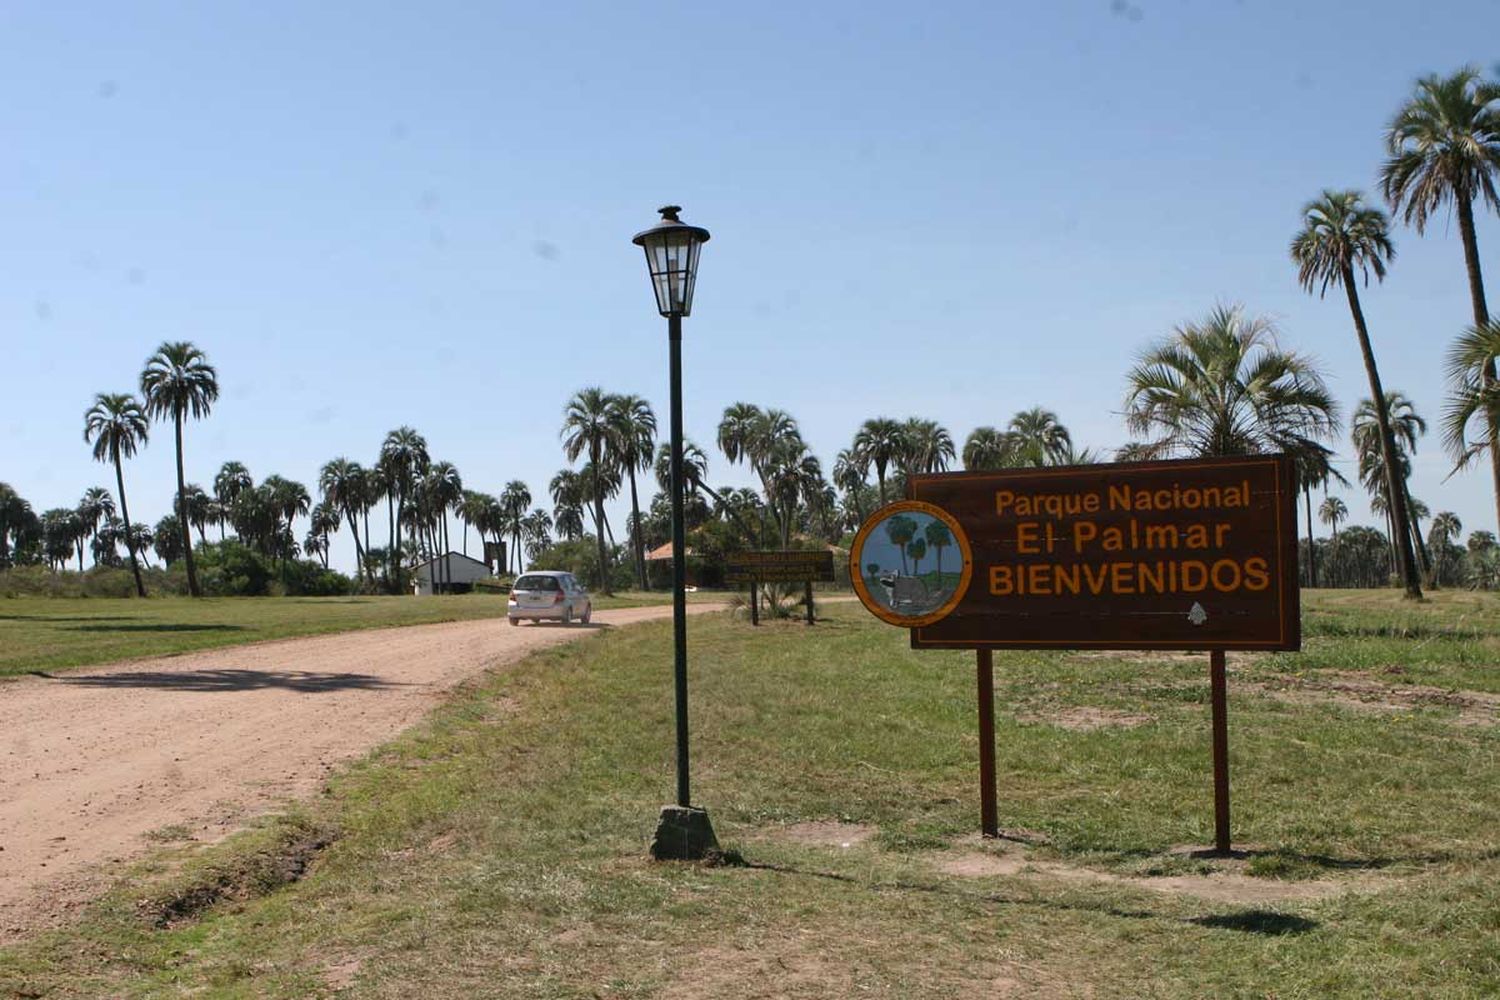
1177, 555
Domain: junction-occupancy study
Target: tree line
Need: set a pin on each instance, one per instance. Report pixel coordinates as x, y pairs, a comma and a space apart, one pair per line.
1221, 384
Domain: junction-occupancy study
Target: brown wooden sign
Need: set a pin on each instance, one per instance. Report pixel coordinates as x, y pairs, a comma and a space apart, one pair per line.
1190, 555
779, 566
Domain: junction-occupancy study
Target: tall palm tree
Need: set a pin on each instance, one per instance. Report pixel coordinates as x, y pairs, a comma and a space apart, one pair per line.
588, 427
900, 530
694, 466
514, 500
445, 488
1222, 386
232, 480
1331, 512
929, 446
849, 471
736, 430
1405, 427
96, 506
1445, 528
1314, 464
1339, 235
403, 457
987, 449
536, 530
567, 498
635, 436
1444, 147
792, 474
118, 425
323, 521
342, 484
1039, 438
881, 441
177, 382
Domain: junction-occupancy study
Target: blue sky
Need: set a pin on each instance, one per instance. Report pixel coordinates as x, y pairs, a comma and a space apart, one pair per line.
375, 215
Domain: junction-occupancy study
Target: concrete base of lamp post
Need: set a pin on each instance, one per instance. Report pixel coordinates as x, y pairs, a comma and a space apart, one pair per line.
684, 833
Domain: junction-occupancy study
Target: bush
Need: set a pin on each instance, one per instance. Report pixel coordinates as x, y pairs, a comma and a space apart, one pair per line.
98, 581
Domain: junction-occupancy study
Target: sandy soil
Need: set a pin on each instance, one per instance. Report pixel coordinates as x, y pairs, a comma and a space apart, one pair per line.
97, 764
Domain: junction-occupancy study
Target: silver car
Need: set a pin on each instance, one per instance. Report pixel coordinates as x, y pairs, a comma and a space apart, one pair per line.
550, 594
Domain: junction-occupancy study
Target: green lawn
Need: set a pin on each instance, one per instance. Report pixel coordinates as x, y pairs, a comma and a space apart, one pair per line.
499, 849
48, 633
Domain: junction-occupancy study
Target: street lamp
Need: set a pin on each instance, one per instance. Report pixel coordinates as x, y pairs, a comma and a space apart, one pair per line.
672, 248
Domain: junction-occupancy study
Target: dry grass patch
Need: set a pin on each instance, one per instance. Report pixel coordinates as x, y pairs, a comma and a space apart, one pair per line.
1085, 718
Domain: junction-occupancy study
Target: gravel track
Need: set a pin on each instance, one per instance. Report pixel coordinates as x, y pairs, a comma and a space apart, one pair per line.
194, 745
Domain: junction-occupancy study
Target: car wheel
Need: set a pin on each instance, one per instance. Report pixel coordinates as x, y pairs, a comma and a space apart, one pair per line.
515, 621
567, 615
588, 612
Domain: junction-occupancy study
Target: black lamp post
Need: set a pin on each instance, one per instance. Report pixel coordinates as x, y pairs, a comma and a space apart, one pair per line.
672, 247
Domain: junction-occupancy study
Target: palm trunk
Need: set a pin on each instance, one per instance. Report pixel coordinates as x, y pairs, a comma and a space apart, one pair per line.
1419, 546
182, 518
1481, 317
140, 588
80, 553
397, 517
1312, 553
599, 521
1407, 569
635, 533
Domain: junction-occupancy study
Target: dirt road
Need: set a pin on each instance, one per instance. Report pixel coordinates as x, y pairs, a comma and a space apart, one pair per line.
93, 762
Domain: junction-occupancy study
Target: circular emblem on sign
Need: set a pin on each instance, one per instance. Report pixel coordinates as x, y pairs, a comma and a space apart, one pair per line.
910, 563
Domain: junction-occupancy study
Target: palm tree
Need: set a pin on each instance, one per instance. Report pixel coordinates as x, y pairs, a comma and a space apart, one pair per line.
535, 530
1339, 234
635, 437
95, 506
403, 457
792, 473
1444, 147
177, 382
736, 430
1314, 464
987, 449
588, 427
880, 441
1222, 386
343, 486
232, 480
322, 522
1331, 512
567, 499
1445, 528
445, 488
118, 425
694, 466
61, 527
1039, 438
514, 500
1367, 433
849, 471
929, 447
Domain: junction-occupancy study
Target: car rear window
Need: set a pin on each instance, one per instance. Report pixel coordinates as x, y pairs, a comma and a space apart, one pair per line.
537, 583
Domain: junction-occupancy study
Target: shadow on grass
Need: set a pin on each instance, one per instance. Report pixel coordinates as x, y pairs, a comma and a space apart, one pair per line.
157, 627
69, 618
1248, 921
1266, 922
302, 681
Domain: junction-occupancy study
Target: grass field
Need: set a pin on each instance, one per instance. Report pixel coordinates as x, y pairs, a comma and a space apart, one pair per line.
49, 633
499, 849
